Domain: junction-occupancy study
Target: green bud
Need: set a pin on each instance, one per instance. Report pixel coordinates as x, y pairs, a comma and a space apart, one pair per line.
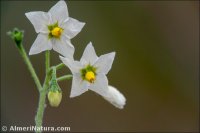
17, 35
54, 98
55, 93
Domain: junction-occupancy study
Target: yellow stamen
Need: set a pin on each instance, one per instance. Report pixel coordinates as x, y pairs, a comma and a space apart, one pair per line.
56, 32
90, 76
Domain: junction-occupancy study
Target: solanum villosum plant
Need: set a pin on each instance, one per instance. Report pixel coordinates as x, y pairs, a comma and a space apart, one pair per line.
55, 29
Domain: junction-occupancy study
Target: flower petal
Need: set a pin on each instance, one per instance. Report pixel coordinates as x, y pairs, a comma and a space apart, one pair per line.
74, 66
59, 12
89, 55
64, 47
100, 85
41, 44
115, 97
72, 27
79, 86
104, 63
40, 20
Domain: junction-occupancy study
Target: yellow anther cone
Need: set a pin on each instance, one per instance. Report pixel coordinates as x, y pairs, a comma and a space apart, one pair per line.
90, 76
56, 32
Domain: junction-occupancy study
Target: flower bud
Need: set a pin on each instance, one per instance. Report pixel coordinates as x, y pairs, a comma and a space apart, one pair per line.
55, 93
54, 98
17, 35
115, 97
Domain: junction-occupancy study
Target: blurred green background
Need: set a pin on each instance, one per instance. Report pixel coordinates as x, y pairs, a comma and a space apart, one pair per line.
156, 66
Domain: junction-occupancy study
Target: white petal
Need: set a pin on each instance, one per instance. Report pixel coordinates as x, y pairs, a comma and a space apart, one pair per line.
64, 47
115, 97
40, 20
79, 86
72, 27
100, 85
104, 63
41, 43
59, 12
74, 66
89, 55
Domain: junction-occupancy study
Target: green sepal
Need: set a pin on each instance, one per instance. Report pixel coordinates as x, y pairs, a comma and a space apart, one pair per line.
53, 83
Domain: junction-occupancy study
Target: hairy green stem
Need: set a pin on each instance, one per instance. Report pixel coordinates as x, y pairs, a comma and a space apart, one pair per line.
65, 77
17, 36
30, 67
43, 93
59, 66
47, 63
42, 101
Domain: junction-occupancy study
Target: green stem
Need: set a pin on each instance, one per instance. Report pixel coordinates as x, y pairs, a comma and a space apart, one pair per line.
47, 56
42, 101
65, 77
17, 36
43, 93
30, 67
59, 66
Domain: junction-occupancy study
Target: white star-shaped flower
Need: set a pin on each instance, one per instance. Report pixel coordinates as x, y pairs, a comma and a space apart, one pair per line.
90, 73
55, 29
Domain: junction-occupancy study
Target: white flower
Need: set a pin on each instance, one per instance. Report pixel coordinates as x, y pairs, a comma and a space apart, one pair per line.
90, 73
115, 97
55, 29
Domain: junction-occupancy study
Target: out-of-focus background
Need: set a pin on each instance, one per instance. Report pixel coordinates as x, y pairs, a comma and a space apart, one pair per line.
156, 66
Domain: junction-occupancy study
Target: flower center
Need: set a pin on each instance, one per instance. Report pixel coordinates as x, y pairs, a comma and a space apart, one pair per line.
56, 32
88, 73
90, 76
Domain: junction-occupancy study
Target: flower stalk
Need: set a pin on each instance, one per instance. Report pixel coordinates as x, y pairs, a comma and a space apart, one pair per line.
17, 36
65, 77
42, 101
30, 67
47, 63
59, 66
43, 92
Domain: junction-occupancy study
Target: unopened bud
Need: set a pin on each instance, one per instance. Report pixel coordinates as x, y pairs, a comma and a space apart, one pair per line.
17, 35
54, 98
